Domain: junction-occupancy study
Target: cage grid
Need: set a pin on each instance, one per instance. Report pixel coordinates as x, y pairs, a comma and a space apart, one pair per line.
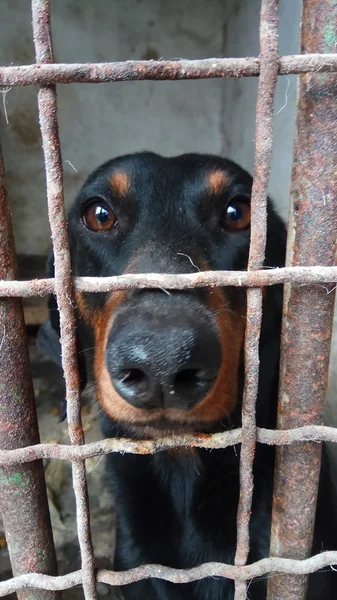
319, 280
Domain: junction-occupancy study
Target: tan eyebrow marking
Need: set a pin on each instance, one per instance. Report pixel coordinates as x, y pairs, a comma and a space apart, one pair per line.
216, 181
120, 183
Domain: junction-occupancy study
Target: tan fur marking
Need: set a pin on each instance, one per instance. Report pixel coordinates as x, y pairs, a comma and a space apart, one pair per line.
221, 400
216, 181
120, 183
87, 314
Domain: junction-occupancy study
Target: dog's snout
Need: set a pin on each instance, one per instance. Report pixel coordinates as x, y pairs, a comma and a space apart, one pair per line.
167, 361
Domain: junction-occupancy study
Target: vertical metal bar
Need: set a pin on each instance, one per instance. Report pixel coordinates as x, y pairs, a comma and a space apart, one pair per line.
23, 498
263, 158
308, 310
63, 284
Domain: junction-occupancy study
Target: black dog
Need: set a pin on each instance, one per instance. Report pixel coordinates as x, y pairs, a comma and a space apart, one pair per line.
169, 362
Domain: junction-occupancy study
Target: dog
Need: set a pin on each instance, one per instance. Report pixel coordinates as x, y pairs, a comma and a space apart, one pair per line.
171, 362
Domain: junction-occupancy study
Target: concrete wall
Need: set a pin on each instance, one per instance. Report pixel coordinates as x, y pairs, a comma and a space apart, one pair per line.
98, 122
101, 121
242, 39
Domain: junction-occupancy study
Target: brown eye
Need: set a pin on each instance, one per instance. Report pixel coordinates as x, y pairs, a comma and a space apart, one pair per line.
99, 216
237, 214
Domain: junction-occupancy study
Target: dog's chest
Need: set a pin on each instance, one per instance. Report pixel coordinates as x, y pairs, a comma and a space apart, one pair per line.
200, 501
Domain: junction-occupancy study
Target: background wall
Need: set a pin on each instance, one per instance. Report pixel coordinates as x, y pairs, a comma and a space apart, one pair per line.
98, 122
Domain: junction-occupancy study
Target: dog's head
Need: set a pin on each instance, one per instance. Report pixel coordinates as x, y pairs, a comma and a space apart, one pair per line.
166, 359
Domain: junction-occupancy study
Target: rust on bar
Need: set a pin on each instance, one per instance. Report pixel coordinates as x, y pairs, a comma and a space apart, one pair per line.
211, 569
259, 278
63, 285
310, 433
308, 312
160, 70
263, 156
23, 498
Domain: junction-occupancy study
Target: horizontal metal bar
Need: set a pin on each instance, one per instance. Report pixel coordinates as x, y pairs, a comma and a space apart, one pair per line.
211, 569
309, 433
161, 70
260, 278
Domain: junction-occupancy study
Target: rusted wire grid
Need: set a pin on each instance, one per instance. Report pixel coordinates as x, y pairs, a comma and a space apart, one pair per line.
244, 573
310, 433
308, 314
23, 498
318, 275
263, 157
47, 104
160, 70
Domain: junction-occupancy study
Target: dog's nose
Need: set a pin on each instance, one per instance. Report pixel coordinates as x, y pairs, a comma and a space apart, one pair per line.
156, 364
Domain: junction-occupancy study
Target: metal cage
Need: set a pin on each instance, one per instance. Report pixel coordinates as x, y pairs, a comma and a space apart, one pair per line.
310, 280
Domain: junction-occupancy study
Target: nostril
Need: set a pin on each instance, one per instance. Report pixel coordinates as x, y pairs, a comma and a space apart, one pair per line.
191, 386
137, 386
192, 378
187, 377
134, 378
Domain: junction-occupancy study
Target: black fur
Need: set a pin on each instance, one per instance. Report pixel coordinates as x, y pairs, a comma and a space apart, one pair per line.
179, 509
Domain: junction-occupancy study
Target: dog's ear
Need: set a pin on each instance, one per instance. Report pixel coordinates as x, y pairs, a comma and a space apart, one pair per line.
48, 338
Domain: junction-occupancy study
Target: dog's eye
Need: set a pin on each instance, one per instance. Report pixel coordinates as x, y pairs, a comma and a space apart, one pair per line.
237, 214
98, 216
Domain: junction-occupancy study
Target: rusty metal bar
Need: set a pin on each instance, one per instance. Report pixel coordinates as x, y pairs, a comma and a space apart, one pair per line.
160, 70
244, 573
307, 314
263, 156
63, 284
310, 433
23, 498
259, 278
